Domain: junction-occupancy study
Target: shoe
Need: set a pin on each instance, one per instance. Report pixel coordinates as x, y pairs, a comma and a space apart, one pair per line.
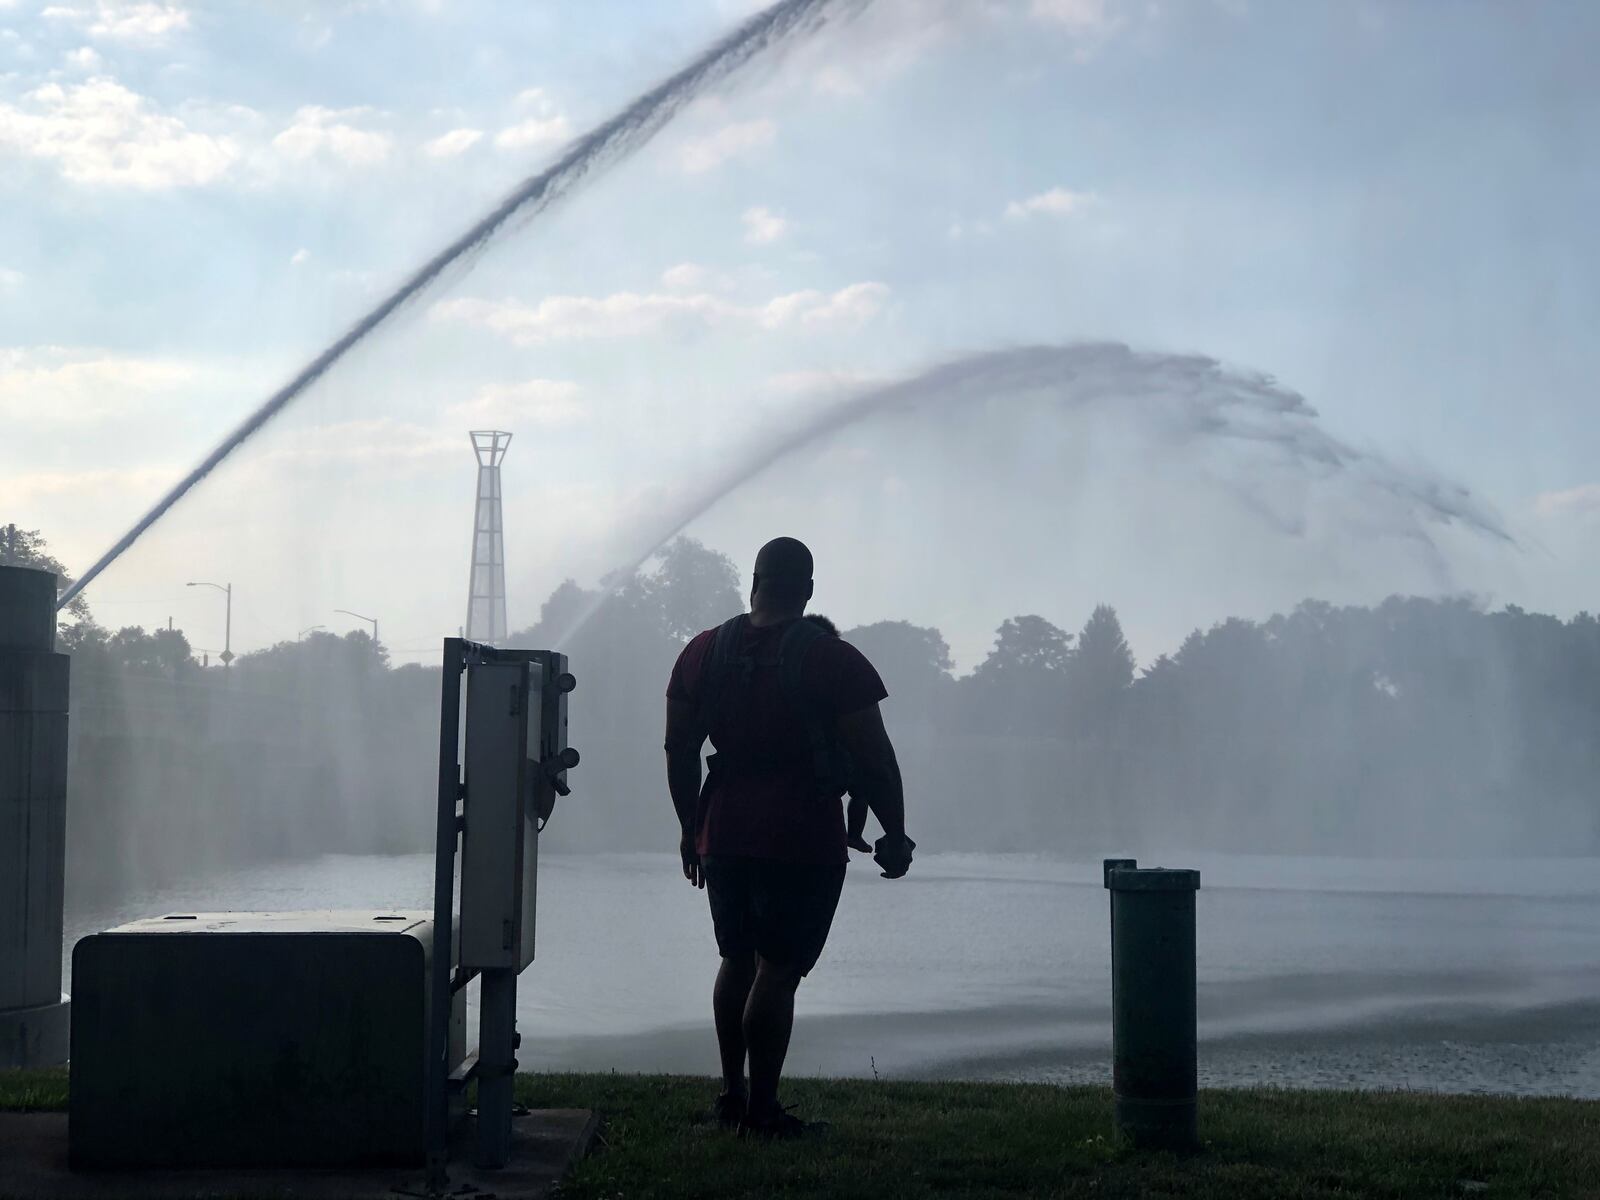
728, 1109
778, 1124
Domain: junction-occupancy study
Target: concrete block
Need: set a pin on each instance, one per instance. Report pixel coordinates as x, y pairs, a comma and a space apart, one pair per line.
251, 1040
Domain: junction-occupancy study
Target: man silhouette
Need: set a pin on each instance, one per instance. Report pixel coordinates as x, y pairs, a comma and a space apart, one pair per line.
793, 716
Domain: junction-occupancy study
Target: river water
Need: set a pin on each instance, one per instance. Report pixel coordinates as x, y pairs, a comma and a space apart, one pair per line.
1314, 972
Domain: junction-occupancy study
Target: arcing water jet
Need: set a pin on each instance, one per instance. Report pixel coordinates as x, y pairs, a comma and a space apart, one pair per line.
601, 147
1189, 397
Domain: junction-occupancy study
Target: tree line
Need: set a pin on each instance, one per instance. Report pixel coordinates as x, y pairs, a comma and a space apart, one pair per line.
1412, 727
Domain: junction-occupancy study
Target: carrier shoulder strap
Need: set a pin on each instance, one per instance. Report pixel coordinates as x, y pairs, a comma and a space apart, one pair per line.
797, 639
828, 761
725, 647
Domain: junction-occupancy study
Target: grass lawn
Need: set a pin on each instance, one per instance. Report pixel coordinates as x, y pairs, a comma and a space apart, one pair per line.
974, 1139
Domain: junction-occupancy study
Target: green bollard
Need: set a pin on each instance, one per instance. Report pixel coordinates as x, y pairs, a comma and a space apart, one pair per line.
1153, 1004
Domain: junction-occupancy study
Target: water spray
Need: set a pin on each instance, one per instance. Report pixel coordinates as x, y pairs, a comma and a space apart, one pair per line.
1199, 399
603, 146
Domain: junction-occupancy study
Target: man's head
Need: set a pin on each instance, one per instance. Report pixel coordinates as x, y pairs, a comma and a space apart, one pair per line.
782, 582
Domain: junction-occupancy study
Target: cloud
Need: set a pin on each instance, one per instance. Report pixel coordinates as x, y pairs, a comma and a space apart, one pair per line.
685, 276
762, 225
379, 440
958, 230
300, 257
535, 131
696, 277
699, 155
547, 125
1580, 501
85, 58
354, 277
534, 97
448, 145
883, 41
1091, 24
560, 318
123, 20
102, 134
546, 403
326, 133
834, 80
53, 386
632, 314
1057, 202
1075, 16
819, 382
11, 281
853, 305
122, 484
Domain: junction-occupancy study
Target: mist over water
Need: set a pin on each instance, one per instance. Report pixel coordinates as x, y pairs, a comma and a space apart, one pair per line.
320, 745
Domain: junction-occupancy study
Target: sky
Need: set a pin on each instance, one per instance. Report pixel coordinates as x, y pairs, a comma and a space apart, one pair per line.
1385, 207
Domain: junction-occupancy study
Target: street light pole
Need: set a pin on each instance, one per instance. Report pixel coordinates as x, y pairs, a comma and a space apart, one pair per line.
227, 628
308, 629
359, 617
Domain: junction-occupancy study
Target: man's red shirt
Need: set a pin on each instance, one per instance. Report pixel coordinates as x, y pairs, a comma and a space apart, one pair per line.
773, 811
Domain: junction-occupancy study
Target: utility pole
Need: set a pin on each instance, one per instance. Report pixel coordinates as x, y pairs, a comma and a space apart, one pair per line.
227, 630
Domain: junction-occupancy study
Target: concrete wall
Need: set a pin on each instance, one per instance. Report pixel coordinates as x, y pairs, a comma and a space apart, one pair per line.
33, 820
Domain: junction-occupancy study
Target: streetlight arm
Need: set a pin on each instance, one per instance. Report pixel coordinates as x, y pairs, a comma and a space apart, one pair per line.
373, 621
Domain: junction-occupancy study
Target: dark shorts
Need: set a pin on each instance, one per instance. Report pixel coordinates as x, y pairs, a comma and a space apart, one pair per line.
780, 910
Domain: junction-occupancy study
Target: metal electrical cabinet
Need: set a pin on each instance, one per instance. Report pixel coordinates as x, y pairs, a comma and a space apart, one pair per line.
500, 835
515, 759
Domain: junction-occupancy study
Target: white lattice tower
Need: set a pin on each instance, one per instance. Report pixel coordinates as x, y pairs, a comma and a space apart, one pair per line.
486, 592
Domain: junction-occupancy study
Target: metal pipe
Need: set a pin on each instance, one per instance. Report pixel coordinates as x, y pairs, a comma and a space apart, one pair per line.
1153, 1004
497, 1064
436, 1118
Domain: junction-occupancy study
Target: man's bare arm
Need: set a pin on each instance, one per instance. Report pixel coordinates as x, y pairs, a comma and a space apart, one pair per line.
683, 741
877, 775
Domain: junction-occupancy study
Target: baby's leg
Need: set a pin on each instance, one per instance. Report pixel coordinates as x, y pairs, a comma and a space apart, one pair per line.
855, 825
